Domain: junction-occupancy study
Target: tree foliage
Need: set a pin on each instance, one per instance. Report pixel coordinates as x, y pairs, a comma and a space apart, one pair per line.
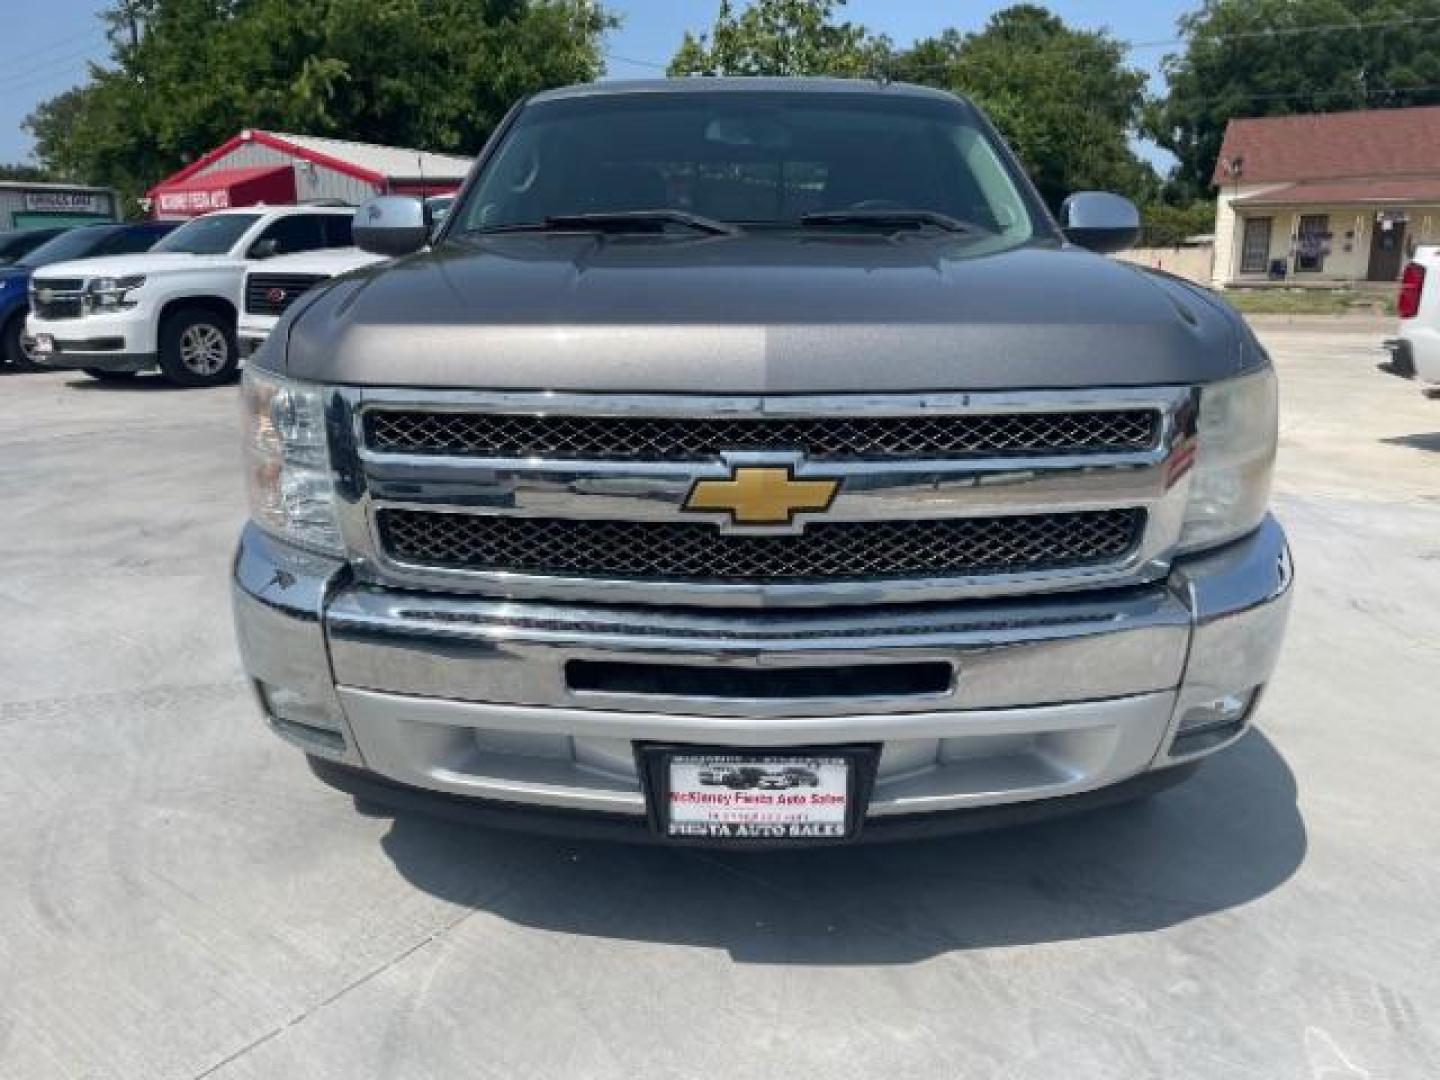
781, 37
1166, 225
187, 74
1063, 98
1243, 58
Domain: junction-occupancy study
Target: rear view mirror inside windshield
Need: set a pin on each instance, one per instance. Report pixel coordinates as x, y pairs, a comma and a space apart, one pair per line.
748, 129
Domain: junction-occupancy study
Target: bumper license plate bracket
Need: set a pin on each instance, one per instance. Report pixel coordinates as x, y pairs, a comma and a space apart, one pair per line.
757, 797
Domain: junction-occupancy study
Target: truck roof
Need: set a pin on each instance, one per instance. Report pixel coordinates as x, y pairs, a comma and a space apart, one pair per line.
744, 85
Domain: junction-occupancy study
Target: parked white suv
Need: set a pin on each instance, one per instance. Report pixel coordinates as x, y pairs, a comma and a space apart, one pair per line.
176, 306
1415, 353
270, 289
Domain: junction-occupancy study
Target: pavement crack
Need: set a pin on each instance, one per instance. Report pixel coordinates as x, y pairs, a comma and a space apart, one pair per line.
324, 1003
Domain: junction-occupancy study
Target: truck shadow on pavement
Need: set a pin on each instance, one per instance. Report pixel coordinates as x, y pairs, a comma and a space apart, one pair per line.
1229, 835
1429, 441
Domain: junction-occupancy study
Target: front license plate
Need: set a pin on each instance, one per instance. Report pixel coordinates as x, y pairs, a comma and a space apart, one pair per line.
766, 797
44, 344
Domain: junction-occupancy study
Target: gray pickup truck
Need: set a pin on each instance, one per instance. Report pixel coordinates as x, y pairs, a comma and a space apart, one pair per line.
757, 428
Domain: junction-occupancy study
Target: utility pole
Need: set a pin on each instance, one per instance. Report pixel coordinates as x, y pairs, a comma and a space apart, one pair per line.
129, 17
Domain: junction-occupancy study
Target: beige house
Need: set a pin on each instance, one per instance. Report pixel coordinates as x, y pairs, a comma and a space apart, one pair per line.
1326, 199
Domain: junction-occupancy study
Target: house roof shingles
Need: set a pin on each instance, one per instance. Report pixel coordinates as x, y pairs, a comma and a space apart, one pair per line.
1369, 143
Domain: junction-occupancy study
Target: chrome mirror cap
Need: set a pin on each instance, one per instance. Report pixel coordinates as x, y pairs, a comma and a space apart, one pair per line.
1100, 221
391, 225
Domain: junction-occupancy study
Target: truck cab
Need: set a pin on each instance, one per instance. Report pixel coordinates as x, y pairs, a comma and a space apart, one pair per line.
176, 306
1415, 351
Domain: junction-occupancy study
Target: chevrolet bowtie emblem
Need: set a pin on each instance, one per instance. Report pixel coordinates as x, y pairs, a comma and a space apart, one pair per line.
762, 495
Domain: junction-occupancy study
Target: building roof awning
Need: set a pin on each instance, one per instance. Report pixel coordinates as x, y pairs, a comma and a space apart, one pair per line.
1345, 192
221, 189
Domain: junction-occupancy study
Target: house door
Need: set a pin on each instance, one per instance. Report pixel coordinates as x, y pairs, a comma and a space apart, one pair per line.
1387, 249
1312, 243
1255, 250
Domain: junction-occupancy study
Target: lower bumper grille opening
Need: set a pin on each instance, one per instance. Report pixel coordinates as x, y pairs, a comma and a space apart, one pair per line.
680, 680
828, 551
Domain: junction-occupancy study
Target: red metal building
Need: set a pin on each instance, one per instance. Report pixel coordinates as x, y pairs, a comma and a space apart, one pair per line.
273, 167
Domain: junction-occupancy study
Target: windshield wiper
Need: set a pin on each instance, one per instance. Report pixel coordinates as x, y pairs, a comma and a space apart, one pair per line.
881, 219
620, 221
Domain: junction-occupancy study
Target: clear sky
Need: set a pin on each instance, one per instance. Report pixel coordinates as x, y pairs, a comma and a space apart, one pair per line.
45, 44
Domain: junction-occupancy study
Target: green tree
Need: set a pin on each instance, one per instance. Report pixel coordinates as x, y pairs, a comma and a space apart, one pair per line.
781, 37
1167, 225
1063, 98
186, 74
1266, 58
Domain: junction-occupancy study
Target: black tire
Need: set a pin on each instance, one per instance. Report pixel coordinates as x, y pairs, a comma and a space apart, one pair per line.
12, 350
109, 376
198, 348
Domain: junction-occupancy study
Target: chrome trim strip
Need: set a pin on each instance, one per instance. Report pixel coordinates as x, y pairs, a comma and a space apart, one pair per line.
776, 406
875, 490
1005, 653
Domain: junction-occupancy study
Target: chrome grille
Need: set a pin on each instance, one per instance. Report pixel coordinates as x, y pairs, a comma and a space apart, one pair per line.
825, 551
70, 308
57, 298
830, 438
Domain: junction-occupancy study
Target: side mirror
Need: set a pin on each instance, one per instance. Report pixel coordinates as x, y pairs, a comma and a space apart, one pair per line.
264, 249
1100, 221
391, 225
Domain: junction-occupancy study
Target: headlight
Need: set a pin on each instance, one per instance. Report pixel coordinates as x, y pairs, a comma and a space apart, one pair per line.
1230, 484
292, 492
110, 292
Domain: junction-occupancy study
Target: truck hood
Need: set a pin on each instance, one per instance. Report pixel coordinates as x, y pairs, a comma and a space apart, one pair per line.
760, 313
161, 262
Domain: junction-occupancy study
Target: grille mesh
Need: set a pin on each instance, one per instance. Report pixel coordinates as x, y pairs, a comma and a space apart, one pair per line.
630, 438
826, 551
272, 294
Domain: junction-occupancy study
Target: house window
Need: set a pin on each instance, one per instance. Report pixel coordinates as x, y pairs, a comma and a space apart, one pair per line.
1312, 243
1255, 251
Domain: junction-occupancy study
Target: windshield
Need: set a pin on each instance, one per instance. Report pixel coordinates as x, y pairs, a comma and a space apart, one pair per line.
75, 244
208, 235
761, 159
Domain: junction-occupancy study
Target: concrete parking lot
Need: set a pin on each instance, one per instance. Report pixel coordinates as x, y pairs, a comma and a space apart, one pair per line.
179, 898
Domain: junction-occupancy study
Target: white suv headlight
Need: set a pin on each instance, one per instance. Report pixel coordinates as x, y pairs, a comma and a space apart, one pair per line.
287, 460
1230, 483
114, 292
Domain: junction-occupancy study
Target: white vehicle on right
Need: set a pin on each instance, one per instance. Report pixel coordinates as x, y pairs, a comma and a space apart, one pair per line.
270, 289
1415, 353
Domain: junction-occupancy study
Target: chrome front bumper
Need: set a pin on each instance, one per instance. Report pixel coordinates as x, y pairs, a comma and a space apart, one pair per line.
1052, 696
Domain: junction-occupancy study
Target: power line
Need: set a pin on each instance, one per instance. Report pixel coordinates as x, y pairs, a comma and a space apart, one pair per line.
91, 41
45, 71
1288, 31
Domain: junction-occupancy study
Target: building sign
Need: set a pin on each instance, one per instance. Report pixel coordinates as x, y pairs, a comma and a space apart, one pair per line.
194, 202
65, 202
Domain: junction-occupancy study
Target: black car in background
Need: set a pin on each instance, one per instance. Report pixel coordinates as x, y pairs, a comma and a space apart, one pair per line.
84, 242
14, 246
